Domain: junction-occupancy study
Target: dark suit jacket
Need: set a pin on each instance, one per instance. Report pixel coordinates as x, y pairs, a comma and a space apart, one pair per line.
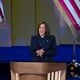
48, 43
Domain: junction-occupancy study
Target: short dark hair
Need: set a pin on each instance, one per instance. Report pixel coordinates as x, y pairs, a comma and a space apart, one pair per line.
47, 28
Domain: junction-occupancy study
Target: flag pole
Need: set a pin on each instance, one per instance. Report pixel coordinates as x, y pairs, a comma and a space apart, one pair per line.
74, 50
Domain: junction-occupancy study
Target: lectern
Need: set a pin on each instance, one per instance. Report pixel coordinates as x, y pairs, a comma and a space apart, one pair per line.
38, 71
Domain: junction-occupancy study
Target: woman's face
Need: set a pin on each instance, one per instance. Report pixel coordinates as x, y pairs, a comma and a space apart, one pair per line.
42, 30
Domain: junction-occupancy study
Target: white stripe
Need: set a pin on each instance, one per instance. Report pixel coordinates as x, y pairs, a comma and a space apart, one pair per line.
77, 3
73, 12
0, 19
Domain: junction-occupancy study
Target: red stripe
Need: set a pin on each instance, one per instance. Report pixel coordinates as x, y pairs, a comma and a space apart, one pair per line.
69, 14
75, 7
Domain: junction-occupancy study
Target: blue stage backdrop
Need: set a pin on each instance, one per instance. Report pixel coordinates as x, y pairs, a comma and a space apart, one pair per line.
23, 53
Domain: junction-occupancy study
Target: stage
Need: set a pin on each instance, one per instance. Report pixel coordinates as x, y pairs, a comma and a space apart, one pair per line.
23, 54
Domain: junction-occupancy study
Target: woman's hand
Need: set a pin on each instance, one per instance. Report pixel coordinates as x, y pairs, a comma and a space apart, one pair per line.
40, 52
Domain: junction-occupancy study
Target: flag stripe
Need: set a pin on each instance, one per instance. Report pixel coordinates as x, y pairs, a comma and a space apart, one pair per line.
71, 9
2, 16
69, 14
1, 6
0, 12
75, 7
77, 3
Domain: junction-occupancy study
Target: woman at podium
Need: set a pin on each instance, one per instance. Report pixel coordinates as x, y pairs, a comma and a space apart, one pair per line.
43, 44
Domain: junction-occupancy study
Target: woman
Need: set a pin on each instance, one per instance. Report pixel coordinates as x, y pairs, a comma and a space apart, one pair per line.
43, 44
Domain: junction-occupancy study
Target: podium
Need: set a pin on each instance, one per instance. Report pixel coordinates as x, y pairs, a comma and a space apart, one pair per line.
37, 71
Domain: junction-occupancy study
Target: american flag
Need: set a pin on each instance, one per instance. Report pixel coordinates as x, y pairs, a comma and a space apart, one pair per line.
72, 9
2, 16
